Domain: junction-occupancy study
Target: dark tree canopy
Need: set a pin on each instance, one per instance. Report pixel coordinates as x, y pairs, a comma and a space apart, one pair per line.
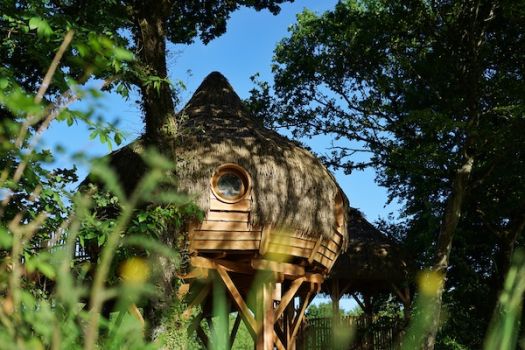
434, 93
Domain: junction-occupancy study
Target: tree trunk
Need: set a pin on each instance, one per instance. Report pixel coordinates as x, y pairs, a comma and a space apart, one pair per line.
446, 234
149, 33
157, 102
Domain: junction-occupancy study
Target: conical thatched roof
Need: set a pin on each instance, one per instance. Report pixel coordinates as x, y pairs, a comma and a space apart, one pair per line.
372, 261
291, 188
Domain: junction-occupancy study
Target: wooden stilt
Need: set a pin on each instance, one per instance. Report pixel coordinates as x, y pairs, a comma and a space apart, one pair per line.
199, 298
271, 327
235, 328
265, 336
134, 310
359, 302
335, 295
195, 325
369, 337
203, 337
288, 323
300, 315
239, 302
288, 296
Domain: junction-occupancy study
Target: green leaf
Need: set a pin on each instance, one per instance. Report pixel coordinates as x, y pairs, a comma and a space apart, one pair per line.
117, 138
6, 239
42, 27
46, 269
101, 239
123, 54
142, 217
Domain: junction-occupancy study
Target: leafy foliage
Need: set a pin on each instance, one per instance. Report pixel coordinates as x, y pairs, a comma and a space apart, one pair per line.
415, 90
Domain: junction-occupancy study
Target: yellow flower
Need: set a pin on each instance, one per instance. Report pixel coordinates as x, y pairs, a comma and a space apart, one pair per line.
430, 282
134, 271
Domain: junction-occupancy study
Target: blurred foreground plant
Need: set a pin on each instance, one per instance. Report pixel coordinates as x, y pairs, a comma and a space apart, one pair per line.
506, 322
49, 298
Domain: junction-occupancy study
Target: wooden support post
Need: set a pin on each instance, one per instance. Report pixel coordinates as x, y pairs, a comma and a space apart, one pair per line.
265, 336
315, 249
201, 334
314, 288
195, 325
288, 296
199, 298
278, 343
359, 302
369, 336
335, 295
235, 328
288, 323
243, 309
265, 240
134, 310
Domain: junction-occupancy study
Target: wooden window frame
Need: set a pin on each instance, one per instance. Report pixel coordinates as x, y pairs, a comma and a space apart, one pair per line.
237, 170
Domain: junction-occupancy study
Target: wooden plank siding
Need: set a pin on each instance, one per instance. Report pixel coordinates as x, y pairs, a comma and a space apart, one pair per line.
215, 215
244, 205
224, 245
227, 228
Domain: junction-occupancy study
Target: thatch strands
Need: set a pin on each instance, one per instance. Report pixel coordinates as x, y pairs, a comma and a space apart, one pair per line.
372, 262
291, 188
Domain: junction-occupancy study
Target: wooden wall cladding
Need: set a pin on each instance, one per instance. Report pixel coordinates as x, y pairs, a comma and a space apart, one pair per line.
227, 228
243, 205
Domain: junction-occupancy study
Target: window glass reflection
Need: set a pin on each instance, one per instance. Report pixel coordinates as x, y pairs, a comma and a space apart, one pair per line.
229, 185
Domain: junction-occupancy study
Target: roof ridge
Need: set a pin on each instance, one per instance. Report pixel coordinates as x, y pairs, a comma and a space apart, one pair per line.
215, 91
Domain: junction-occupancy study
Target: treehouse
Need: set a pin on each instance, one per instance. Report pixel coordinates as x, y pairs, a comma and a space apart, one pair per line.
274, 215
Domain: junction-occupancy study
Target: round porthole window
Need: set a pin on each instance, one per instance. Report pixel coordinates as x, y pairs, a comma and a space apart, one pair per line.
230, 183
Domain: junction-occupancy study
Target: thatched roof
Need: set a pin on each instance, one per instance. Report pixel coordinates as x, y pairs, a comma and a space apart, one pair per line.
372, 261
291, 188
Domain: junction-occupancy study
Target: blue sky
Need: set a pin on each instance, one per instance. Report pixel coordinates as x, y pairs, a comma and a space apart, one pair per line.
245, 49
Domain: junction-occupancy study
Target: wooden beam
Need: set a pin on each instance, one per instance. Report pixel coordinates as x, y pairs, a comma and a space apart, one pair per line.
194, 325
314, 278
198, 273
183, 291
404, 297
265, 336
335, 296
359, 302
265, 240
199, 298
243, 309
345, 288
299, 318
201, 334
235, 328
288, 296
278, 342
288, 323
231, 266
315, 249
275, 266
134, 310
